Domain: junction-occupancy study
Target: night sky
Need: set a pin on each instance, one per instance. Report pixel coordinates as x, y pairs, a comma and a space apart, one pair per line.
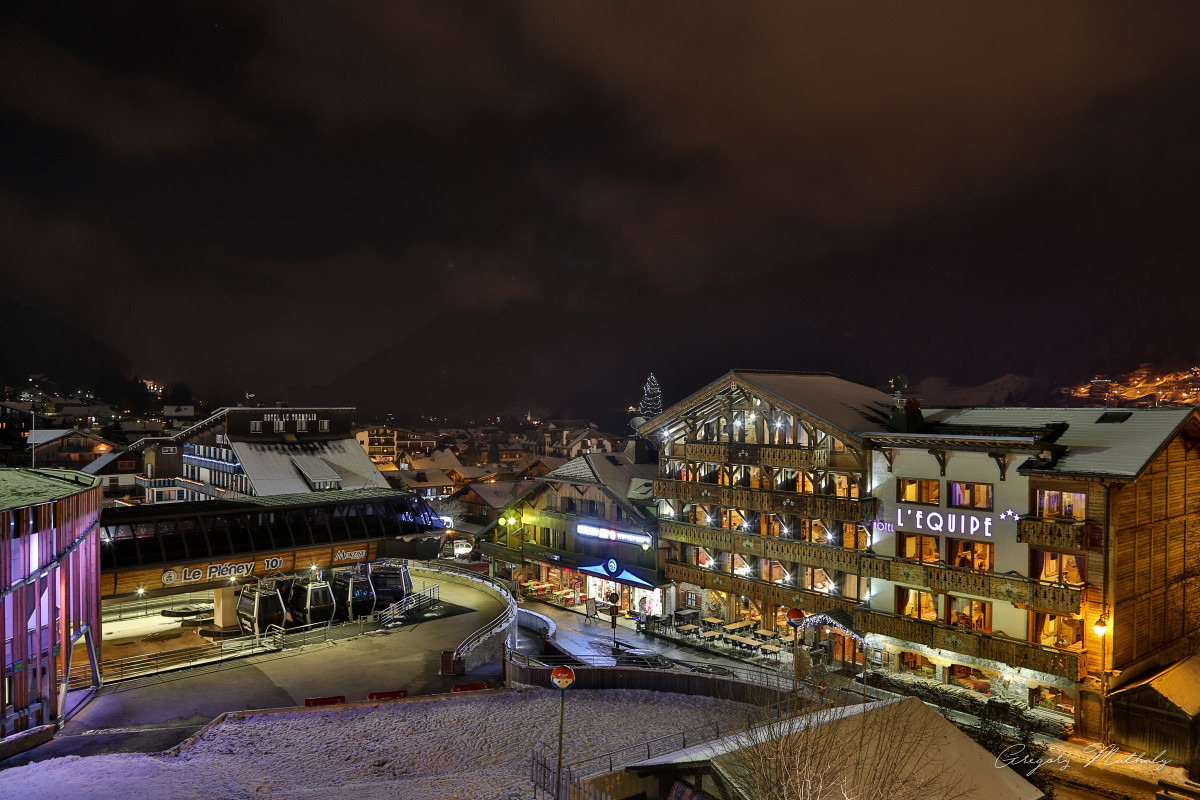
446, 204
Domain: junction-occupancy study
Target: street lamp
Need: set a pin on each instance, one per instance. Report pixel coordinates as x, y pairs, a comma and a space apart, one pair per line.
1101, 630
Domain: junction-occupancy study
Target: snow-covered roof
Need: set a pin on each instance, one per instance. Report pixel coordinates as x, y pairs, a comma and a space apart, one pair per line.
43, 435
1179, 684
947, 750
438, 459
497, 495
1107, 442
424, 478
622, 479
847, 405
273, 469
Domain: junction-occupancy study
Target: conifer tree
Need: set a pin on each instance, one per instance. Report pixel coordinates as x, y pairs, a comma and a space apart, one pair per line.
651, 405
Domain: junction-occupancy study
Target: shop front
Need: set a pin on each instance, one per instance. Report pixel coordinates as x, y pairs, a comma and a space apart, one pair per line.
636, 592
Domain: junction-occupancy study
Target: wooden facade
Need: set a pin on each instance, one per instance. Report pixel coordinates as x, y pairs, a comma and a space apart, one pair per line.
49, 577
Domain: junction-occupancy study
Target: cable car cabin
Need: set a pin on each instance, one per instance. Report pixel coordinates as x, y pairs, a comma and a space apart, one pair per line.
259, 606
353, 595
311, 602
391, 581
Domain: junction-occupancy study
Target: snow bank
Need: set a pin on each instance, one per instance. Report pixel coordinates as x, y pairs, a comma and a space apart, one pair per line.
459, 746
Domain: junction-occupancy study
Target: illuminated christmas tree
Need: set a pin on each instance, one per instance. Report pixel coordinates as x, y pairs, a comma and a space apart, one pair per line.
651, 405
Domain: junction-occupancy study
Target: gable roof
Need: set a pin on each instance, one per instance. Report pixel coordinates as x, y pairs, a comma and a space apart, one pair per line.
624, 481
1099, 442
1178, 684
847, 406
947, 750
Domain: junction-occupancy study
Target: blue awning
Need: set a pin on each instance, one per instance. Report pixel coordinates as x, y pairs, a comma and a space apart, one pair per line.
624, 576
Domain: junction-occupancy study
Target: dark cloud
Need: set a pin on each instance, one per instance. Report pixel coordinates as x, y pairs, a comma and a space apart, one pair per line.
805, 185
129, 115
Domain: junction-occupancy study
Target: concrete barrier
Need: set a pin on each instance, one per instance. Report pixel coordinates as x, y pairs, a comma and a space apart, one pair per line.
541, 625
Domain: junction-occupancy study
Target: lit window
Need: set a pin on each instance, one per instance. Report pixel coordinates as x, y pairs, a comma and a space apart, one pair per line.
919, 548
1063, 505
280, 426
971, 495
917, 604
255, 426
323, 425
916, 490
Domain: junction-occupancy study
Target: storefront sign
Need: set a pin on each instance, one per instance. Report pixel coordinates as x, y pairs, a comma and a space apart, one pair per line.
964, 523
612, 535
350, 555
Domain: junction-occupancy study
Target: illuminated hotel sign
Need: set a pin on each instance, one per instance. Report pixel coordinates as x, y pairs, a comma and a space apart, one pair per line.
960, 522
612, 535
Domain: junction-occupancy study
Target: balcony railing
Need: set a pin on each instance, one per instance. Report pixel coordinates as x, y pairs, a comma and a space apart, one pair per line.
934, 576
763, 591
813, 506
153, 483
766, 455
1070, 664
1061, 534
552, 555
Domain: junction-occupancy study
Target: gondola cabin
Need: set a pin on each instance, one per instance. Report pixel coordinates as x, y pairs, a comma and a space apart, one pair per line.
391, 582
311, 602
260, 606
353, 595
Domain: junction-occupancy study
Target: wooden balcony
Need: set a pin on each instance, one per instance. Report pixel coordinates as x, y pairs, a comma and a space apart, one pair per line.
842, 509
762, 591
791, 457
1070, 664
932, 576
1059, 534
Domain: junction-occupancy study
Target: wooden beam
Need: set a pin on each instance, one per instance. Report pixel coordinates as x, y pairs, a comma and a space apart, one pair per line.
889, 454
1002, 461
942, 456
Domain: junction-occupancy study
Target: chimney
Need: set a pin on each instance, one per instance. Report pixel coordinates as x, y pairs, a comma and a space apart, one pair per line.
907, 418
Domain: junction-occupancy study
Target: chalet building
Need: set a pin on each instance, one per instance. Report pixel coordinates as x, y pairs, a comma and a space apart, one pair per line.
763, 494
1025, 554
117, 471
569, 442
386, 444
67, 448
256, 452
483, 502
586, 530
427, 483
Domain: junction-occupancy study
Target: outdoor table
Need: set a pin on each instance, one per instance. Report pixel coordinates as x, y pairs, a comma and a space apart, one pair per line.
737, 626
687, 628
742, 641
711, 634
766, 634
788, 637
687, 612
770, 648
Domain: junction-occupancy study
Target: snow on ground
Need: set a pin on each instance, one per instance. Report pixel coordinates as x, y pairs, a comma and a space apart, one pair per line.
473, 746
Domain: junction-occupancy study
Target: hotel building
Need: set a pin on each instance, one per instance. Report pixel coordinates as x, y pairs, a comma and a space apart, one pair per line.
1034, 555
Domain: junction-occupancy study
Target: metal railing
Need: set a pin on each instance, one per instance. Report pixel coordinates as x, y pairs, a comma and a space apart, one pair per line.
505, 620
393, 615
120, 669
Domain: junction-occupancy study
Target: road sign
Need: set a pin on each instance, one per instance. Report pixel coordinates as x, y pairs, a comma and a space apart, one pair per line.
562, 677
795, 617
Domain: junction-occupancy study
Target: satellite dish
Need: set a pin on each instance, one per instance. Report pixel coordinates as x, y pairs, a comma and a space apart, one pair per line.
900, 382
637, 422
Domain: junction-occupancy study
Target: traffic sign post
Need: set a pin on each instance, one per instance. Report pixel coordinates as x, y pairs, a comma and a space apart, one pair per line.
562, 677
795, 618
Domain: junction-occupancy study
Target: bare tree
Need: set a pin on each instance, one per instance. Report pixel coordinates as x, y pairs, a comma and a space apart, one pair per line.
895, 749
